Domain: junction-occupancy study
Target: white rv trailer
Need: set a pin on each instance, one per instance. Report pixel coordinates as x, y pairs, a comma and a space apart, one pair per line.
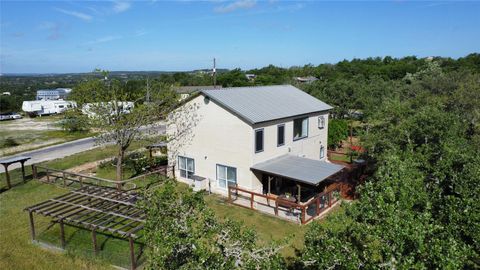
124, 107
46, 107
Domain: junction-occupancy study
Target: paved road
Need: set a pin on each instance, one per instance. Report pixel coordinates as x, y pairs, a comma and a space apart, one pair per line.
59, 151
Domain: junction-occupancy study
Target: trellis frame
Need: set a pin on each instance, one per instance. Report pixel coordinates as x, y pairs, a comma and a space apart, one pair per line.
99, 209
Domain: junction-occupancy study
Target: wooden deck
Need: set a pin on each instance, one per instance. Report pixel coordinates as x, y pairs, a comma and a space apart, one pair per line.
301, 213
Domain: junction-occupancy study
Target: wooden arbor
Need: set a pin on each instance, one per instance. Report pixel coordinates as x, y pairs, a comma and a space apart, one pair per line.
98, 209
9, 161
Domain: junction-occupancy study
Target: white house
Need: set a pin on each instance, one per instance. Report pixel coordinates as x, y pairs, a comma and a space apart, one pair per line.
268, 139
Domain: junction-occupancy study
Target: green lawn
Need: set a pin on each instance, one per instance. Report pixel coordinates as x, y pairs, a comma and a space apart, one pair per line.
17, 251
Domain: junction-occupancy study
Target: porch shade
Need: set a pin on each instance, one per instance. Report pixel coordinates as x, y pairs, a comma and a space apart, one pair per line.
308, 171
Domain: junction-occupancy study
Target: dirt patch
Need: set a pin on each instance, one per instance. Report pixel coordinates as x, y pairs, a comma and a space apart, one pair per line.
30, 124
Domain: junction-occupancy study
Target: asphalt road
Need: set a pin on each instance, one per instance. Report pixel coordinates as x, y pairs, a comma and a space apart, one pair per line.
59, 151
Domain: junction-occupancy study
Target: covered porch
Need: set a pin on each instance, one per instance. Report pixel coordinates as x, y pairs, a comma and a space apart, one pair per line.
294, 188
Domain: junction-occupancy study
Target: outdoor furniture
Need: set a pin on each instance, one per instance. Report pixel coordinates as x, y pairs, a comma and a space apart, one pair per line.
290, 202
8, 161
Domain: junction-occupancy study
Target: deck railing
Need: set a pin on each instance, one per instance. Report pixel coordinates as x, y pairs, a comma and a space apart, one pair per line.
305, 211
68, 178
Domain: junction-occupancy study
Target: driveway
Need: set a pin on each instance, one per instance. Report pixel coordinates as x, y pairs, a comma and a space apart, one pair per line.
61, 150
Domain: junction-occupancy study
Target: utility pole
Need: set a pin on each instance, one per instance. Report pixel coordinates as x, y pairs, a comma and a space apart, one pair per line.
214, 73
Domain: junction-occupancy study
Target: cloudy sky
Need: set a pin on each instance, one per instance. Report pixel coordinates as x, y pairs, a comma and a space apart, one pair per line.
79, 36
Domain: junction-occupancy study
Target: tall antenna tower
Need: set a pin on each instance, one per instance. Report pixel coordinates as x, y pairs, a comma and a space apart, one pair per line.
214, 73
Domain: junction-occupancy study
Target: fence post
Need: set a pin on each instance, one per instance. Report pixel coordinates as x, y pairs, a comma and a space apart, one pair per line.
34, 171
48, 176
303, 214
276, 206
64, 180
251, 200
318, 205
329, 199
80, 179
229, 195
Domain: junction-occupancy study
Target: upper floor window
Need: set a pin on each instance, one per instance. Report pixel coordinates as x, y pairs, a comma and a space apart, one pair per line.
258, 140
321, 122
186, 167
300, 128
280, 135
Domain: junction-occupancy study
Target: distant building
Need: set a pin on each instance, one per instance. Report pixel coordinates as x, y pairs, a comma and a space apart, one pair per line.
251, 77
307, 79
6, 94
53, 94
186, 91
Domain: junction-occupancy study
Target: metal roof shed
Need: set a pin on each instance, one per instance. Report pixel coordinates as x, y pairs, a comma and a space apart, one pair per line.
307, 171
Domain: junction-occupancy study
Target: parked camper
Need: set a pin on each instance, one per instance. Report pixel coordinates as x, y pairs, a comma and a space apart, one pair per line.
46, 107
123, 106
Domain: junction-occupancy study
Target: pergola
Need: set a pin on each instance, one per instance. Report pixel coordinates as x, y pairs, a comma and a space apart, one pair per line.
99, 209
156, 146
9, 161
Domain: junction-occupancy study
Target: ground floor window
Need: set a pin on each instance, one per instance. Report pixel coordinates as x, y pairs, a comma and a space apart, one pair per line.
322, 152
226, 176
186, 166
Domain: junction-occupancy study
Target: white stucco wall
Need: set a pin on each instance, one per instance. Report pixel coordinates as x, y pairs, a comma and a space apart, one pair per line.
220, 137
308, 147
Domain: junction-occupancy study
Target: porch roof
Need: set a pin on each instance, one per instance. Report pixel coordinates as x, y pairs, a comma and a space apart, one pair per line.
308, 171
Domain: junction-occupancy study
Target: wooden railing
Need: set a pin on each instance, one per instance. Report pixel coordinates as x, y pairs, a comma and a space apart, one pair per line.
308, 211
68, 178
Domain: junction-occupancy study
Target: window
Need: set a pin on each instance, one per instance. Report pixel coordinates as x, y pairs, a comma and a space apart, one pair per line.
321, 122
258, 140
280, 135
226, 176
322, 152
300, 128
186, 167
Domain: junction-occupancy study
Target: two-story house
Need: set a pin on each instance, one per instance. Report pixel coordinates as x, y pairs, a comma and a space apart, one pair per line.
268, 139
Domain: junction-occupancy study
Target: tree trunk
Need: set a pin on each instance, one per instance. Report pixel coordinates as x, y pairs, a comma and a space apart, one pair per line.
120, 156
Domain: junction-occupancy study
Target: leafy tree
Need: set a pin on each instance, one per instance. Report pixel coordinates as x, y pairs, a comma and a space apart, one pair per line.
106, 100
337, 132
183, 233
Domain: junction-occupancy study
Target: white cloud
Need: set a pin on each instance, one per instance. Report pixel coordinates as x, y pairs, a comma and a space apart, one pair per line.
239, 4
76, 14
102, 40
121, 6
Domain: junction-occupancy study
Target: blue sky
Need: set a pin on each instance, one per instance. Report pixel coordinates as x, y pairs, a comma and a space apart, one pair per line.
79, 36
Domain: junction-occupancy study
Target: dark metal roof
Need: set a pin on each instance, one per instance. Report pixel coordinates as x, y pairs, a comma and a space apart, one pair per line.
300, 169
266, 103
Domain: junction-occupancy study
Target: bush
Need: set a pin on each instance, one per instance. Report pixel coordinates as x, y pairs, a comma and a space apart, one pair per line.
74, 122
337, 132
8, 142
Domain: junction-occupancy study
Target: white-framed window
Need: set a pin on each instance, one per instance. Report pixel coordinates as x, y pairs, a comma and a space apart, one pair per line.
321, 122
226, 176
300, 128
322, 151
186, 167
259, 140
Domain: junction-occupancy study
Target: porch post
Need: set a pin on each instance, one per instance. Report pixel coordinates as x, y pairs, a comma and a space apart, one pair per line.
299, 188
269, 184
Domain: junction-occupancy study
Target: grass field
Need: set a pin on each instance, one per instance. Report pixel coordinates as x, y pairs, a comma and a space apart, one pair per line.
18, 252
